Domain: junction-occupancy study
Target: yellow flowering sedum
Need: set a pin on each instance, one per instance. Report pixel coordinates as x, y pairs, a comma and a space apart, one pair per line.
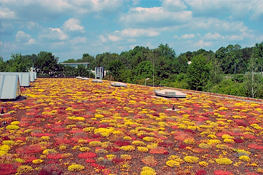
99, 116
189, 141
172, 163
24, 169
223, 161
213, 142
49, 151
12, 127
88, 129
4, 149
95, 143
37, 161
15, 123
105, 132
84, 149
148, 171
75, 167
127, 148
149, 139
127, 138
191, 159
204, 145
244, 158
45, 138
229, 141
138, 143
142, 149
19, 160
62, 147
203, 163
110, 156
76, 118
126, 156
8, 142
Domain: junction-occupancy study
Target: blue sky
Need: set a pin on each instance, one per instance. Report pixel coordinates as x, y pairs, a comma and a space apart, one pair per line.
69, 28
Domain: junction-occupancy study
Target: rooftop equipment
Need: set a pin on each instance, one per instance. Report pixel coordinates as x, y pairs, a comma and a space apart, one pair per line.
24, 77
9, 87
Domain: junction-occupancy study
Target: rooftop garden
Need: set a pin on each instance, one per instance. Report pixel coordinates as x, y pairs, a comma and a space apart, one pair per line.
73, 126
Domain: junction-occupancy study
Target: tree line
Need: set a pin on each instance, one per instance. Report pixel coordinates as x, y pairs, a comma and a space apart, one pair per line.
230, 70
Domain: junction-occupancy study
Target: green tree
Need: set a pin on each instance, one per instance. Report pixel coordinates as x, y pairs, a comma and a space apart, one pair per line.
144, 70
216, 74
253, 79
198, 72
115, 68
70, 61
2, 64
81, 71
46, 63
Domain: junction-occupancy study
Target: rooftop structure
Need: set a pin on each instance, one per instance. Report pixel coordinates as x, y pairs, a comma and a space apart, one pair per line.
76, 64
118, 84
97, 81
24, 77
9, 87
169, 93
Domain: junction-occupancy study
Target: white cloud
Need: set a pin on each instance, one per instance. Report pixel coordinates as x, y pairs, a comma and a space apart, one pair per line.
213, 36
79, 40
43, 10
139, 32
257, 9
31, 41
98, 5
59, 44
114, 38
21, 36
176, 5
132, 46
187, 36
154, 17
131, 40
217, 8
53, 34
6, 13
177, 37
216, 25
242, 36
135, 2
32, 25
202, 44
149, 44
72, 24
102, 39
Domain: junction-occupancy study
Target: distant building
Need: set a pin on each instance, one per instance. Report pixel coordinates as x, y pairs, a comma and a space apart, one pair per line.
75, 64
